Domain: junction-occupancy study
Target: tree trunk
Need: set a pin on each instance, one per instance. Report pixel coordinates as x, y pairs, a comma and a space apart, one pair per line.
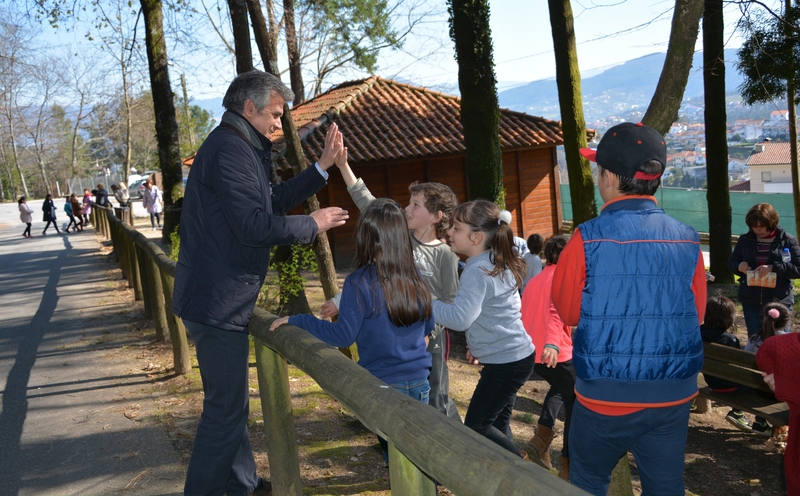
15, 152
663, 108
480, 114
570, 99
241, 36
295, 73
166, 123
128, 124
718, 195
42, 171
790, 96
263, 38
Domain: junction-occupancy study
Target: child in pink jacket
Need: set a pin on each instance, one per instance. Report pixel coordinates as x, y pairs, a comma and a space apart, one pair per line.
554, 338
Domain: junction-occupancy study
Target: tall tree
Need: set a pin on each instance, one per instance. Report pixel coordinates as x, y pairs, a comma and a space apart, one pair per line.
35, 118
241, 36
15, 43
717, 195
166, 123
570, 99
116, 34
295, 71
767, 60
666, 101
480, 114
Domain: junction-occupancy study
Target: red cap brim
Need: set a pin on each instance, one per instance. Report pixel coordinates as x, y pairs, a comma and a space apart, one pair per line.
589, 153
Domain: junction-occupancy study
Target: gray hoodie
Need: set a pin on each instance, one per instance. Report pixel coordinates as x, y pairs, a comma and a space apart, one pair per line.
488, 309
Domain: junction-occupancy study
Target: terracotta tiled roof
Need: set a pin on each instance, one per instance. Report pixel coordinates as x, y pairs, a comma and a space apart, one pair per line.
742, 186
382, 119
773, 154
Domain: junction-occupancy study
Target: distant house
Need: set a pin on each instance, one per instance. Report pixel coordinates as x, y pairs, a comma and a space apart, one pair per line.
397, 133
747, 129
770, 170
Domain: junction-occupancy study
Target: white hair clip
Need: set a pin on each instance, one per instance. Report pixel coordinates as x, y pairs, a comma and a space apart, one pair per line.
505, 216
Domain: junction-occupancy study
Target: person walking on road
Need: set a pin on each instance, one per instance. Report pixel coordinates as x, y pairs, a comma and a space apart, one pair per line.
49, 216
26, 216
232, 217
151, 200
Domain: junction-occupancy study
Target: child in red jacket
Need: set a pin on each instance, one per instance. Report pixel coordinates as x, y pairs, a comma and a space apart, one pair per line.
777, 358
554, 338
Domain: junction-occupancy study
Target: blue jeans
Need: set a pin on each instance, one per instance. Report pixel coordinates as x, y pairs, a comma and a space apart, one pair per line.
753, 318
419, 390
222, 460
489, 411
655, 436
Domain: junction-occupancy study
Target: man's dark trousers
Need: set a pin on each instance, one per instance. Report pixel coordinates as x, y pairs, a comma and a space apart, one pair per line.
222, 458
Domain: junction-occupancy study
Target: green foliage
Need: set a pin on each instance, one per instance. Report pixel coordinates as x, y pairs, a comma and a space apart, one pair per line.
352, 31
199, 124
175, 243
768, 57
285, 279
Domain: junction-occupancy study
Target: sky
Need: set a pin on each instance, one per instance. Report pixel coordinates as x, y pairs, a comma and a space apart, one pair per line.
608, 32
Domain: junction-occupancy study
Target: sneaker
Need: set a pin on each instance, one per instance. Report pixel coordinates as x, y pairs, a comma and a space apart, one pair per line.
739, 420
693, 408
762, 428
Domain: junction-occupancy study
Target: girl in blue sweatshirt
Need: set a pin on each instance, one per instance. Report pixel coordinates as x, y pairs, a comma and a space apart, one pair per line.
385, 307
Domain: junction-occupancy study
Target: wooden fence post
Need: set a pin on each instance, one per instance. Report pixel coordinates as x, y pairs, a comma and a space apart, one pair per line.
177, 332
157, 297
136, 278
621, 478
276, 405
147, 289
405, 478
124, 256
114, 232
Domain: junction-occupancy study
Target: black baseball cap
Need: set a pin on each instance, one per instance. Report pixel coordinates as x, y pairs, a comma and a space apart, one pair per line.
626, 147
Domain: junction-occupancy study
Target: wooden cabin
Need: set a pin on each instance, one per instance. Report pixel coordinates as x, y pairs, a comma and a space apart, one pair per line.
397, 133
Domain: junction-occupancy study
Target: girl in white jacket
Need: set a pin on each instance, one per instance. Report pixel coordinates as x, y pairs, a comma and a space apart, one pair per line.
26, 216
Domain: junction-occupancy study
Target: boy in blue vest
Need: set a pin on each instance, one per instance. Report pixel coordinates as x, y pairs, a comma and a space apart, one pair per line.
633, 282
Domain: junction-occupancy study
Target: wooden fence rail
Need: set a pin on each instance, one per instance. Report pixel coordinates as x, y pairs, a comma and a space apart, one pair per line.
424, 445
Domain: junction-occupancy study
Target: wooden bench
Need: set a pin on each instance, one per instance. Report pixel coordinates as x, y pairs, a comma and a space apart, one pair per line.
740, 367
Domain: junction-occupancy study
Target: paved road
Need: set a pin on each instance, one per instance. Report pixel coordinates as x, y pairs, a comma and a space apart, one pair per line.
64, 386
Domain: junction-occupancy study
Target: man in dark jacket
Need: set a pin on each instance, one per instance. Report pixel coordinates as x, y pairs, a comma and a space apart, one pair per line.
231, 218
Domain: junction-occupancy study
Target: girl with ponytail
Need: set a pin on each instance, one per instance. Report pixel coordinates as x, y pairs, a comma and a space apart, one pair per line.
487, 308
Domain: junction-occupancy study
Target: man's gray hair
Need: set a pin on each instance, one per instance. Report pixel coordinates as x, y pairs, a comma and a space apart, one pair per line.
257, 86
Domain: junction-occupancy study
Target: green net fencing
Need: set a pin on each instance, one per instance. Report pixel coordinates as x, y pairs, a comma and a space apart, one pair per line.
691, 206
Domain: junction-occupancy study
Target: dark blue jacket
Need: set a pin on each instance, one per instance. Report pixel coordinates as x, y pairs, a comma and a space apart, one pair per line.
638, 338
390, 353
745, 251
231, 218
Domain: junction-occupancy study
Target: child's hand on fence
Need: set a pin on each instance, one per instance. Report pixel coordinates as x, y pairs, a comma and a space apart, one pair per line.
769, 379
278, 322
329, 310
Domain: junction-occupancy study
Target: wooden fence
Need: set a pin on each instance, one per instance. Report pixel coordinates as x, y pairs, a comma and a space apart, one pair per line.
424, 445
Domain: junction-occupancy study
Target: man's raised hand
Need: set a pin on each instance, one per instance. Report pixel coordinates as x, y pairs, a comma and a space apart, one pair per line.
329, 217
333, 144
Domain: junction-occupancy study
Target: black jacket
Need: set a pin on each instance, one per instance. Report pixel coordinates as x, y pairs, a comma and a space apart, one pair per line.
231, 218
719, 336
101, 198
745, 250
49, 209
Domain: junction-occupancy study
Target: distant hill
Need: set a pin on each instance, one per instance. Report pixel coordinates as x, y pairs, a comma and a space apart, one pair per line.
615, 91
